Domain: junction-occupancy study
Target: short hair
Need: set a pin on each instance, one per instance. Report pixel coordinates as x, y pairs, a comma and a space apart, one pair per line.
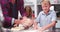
46, 1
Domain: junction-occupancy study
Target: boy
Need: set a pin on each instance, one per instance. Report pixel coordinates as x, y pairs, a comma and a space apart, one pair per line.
46, 18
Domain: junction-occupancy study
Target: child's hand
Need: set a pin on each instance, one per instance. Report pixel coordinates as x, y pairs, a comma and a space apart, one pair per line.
40, 29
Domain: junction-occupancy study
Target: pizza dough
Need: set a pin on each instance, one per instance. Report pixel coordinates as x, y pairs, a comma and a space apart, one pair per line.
20, 27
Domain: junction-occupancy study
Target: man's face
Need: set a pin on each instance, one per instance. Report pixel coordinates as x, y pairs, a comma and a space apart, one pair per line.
45, 6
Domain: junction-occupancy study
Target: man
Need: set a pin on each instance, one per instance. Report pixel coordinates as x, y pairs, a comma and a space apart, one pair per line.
46, 18
10, 11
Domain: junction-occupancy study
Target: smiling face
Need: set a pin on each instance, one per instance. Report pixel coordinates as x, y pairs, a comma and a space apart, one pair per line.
45, 6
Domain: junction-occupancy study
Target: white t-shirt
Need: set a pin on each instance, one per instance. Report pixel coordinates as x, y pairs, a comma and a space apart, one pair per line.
1, 14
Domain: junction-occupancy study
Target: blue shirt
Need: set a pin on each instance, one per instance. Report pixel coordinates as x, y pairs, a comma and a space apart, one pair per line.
45, 19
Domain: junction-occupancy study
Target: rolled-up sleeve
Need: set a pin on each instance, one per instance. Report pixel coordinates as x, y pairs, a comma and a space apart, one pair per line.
7, 19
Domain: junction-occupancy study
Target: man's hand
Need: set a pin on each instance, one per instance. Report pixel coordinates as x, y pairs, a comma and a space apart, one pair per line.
17, 21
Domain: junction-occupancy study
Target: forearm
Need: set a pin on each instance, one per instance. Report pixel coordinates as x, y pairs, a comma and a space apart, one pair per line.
7, 19
49, 25
35, 25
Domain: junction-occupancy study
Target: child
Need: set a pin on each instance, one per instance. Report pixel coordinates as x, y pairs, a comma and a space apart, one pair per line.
46, 18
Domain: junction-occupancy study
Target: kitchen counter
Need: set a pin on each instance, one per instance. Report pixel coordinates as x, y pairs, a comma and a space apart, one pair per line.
9, 30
